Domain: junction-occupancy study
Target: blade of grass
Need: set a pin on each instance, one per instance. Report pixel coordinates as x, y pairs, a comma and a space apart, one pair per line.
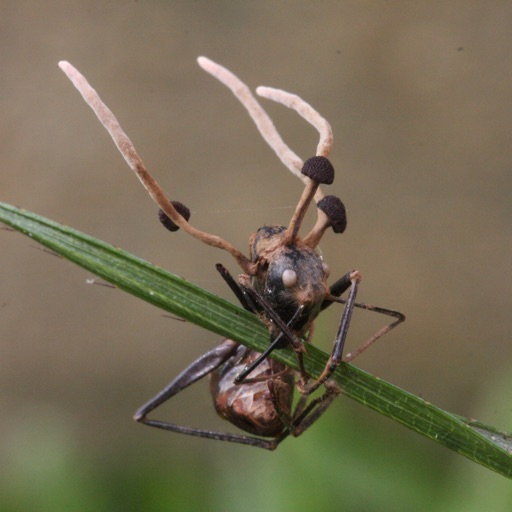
198, 306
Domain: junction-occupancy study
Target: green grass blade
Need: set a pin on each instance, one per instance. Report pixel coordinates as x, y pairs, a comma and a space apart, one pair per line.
198, 306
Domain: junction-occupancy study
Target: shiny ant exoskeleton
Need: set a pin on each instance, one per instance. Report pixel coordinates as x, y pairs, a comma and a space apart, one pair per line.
284, 283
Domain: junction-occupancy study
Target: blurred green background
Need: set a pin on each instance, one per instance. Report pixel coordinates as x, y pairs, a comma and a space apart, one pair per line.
419, 97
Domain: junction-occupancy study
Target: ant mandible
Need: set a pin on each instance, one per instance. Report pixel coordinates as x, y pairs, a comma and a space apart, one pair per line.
284, 283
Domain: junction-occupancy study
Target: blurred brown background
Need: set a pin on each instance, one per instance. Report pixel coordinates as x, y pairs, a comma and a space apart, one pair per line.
419, 98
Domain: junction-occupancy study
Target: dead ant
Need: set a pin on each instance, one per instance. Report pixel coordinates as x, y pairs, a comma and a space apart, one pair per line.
284, 283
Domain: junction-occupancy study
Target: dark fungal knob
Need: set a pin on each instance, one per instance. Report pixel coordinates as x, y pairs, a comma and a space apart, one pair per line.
167, 222
332, 214
335, 211
319, 169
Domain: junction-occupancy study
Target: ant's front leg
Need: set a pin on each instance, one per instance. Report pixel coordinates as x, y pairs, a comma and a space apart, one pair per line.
400, 317
354, 278
254, 302
239, 292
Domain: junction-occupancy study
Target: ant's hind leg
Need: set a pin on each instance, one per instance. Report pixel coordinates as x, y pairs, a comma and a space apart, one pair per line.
197, 370
200, 368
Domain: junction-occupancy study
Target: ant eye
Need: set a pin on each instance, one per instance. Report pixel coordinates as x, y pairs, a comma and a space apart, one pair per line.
289, 278
326, 269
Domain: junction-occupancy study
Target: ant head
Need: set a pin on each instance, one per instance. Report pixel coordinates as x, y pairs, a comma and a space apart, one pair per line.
292, 277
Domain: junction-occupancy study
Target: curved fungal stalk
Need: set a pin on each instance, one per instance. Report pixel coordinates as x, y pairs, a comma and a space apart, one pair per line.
263, 122
127, 149
270, 134
306, 111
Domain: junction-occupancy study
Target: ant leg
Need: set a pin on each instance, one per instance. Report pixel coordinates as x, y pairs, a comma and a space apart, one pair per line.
316, 408
297, 345
400, 317
275, 343
195, 371
338, 288
254, 302
198, 369
304, 416
336, 355
240, 293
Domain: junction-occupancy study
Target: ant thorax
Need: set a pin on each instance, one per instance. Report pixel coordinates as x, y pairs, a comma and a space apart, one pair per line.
291, 276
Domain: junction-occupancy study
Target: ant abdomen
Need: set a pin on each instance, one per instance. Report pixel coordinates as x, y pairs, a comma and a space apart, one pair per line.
251, 406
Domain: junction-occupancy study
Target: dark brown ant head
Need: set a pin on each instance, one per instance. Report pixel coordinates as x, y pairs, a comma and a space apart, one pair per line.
292, 277
289, 271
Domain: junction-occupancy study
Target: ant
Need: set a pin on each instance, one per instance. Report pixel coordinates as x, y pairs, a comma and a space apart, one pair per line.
284, 283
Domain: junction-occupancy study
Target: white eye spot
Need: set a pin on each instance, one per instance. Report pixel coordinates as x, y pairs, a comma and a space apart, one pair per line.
289, 278
326, 268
